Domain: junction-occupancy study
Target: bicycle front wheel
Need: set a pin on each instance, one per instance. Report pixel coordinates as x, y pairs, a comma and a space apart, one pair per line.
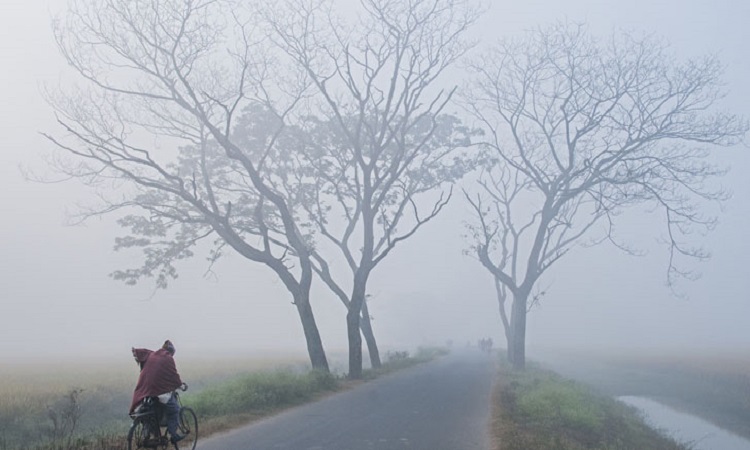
188, 428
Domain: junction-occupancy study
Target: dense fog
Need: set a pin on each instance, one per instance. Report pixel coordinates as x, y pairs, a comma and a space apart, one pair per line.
58, 301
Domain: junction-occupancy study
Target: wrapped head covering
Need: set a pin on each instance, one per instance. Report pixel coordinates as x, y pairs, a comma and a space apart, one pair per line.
168, 346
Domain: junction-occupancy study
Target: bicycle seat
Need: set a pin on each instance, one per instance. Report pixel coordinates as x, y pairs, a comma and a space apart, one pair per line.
146, 407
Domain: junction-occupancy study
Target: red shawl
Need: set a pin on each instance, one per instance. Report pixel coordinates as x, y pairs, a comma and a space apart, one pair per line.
158, 375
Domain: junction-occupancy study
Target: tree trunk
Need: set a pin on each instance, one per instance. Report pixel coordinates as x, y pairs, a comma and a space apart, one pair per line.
367, 333
501, 298
353, 325
312, 336
517, 347
365, 324
355, 342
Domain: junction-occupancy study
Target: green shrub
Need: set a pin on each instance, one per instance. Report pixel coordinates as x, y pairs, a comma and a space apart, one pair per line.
553, 401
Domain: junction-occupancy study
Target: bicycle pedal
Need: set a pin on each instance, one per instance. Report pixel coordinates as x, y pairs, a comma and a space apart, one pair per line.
152, 443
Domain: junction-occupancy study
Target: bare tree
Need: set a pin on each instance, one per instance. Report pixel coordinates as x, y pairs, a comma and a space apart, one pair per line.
338, 187
294, 164
579, 130
377, 88
163, 75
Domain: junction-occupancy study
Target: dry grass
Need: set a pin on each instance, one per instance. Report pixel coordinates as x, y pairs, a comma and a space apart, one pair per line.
29, 391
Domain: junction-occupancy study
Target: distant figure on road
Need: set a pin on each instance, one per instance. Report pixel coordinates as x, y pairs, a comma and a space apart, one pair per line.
485, 344
159, 378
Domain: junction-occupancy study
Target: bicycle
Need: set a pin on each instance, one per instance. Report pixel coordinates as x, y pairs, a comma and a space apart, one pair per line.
148, 423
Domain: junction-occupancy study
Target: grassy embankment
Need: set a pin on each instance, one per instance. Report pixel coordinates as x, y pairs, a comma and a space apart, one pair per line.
539, 410
221, 401
710, 385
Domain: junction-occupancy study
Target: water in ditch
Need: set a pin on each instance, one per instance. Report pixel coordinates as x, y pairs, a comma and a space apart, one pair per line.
684, 427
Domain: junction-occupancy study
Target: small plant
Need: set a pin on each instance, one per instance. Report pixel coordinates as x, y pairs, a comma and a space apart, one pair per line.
65, 417
396, 356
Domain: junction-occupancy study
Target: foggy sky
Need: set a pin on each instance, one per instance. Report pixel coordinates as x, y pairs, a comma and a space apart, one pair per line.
56, 297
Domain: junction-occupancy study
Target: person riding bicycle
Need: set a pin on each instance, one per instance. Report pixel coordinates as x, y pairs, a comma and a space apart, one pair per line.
159, 378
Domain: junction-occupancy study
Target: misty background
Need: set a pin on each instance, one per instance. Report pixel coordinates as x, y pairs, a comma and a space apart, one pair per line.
57, 300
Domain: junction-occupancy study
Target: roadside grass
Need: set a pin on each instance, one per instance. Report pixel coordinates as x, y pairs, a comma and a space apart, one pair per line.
539, 410
224, 395
255, 395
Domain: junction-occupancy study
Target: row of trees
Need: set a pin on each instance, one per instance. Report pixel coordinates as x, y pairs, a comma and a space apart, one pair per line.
315, 146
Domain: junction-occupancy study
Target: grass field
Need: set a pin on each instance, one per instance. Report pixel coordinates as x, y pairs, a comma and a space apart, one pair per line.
31, 393
223, 392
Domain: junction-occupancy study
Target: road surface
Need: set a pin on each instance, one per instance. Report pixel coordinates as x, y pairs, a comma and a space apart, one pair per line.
441, 405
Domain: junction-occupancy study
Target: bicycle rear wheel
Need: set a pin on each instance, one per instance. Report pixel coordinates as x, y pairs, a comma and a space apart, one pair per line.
188, 428
138, 435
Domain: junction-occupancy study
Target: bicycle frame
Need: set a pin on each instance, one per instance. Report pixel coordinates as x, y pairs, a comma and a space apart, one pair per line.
149, 421
150, 415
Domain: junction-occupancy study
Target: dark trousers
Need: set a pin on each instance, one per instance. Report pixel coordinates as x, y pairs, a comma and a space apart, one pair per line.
172, 411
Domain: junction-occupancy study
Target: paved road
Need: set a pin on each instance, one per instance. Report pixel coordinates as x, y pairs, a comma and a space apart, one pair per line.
442, 405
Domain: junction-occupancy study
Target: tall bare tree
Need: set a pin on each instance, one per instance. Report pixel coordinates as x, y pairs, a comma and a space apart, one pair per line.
337, 192
298, 179
579, 130
159, 75
377, 88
